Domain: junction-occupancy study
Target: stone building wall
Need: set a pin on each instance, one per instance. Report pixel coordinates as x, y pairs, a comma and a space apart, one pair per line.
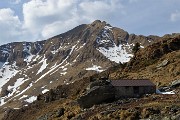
133, 91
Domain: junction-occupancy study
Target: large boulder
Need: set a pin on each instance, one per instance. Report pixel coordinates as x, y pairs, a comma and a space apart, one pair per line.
97, 95
98, 83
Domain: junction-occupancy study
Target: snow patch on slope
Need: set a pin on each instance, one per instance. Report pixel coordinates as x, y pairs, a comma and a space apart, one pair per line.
24, 96
116, 54
44, 91
43, 66
7, 72
31, 99
16, 86
165, 93
29, 58
28, 87
63, 73
56, 67
95, 68
2, 102
54, 51
13, 91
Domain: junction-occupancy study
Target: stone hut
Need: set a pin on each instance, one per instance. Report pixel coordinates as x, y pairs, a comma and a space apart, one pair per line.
133, 88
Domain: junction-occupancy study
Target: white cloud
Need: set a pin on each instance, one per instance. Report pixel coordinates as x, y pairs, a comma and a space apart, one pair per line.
8, 15
52, 17
55, 28
101, 9
175, 16
10, 26
49, 17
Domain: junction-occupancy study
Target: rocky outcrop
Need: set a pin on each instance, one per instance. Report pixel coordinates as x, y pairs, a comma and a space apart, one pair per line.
99, 93
19, 51
175, 83
97, 83
164, 63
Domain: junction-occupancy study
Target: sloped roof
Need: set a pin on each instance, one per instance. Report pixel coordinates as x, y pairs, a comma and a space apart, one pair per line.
132, 82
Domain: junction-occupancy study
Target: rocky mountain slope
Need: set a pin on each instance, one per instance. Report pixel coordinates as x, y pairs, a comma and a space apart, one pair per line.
28, 69
159, 62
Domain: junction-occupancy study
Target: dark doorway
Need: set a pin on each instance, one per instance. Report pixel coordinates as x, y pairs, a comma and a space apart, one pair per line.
136, 90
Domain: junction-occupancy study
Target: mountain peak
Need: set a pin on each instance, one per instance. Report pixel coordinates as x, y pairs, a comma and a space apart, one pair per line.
98, 23
31, 68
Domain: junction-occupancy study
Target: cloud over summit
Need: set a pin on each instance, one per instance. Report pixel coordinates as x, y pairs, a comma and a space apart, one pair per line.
52, 17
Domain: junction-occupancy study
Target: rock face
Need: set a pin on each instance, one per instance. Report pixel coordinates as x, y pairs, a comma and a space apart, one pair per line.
97, 94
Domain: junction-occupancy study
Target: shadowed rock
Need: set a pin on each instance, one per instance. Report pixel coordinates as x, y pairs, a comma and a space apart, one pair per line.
97, 95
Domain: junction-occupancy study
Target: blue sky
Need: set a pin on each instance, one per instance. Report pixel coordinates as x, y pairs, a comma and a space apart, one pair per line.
31, 20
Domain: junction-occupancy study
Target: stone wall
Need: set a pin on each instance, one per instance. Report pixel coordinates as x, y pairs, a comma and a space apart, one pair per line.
131, 91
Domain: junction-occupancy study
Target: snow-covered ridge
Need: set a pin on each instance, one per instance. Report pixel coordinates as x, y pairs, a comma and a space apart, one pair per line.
109, 49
